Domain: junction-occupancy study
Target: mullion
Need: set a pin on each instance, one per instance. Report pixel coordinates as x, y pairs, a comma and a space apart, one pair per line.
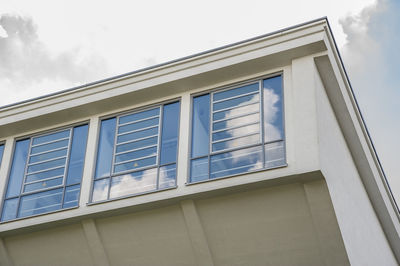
135, 159
43, 152
138, 149
235, 97
45, 161
234, 127
23, 180
236, 116
49, 142
130, 171
44, 179
113, 155
135, 140
136, 130
261, 88
235, 137
158, 159
42, 190
230, 108
137, 121
71, 136
45, 170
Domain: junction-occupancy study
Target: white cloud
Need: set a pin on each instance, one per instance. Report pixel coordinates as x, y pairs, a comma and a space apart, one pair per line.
28, 67
372, 58
134, 183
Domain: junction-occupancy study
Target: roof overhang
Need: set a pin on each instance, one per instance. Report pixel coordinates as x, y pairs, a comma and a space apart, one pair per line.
211, 67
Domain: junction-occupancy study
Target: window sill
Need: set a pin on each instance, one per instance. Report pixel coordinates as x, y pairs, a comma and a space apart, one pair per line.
235, 175
130, 196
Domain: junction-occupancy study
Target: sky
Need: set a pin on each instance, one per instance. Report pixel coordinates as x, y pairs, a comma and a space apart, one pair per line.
48, 46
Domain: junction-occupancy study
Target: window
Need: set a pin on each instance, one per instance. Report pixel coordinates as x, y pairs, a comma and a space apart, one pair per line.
1, 152
46, 173
237, 130
137, 153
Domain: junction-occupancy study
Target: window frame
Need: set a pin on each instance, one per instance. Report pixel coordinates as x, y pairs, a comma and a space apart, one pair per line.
63, 186
157, 166
262, 143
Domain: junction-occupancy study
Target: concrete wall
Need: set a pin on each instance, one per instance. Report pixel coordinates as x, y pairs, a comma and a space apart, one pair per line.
281, 225
365, 241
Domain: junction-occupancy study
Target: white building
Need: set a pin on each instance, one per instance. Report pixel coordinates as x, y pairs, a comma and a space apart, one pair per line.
250, 154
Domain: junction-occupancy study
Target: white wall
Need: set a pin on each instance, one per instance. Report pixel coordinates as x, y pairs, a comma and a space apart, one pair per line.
364, 239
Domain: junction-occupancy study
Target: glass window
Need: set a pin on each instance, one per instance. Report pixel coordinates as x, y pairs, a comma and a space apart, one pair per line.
137, 153
237, 130
1, 152
46, 173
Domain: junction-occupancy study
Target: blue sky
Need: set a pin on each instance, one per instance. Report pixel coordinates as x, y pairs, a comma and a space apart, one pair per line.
47, 46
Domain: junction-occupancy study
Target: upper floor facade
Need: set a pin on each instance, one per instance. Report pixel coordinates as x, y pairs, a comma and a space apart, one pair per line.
271, 111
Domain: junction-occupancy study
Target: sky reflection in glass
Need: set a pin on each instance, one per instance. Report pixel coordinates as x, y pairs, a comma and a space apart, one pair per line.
105, 150
200, 125
239, 131
145, 154
42, 179
273, 109
1, 152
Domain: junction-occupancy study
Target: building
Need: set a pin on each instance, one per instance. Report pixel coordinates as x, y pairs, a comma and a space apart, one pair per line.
250, 154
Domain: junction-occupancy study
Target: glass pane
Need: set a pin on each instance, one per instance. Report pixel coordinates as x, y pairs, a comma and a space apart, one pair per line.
201, 125
77, 155
275, 154
136, 154
170, 128
199, 169
46, 165
133, 183
237, 132
1, 152
71, 196
236, 102
47, 156
50, 146
40, 202
139, 116
100, 190
138, 125
43, 184
9, 209
51, 137
106, 146
46, 174
235, 143
18, 168
235, 92
236, 122
167, 176
236, 162
255, 107
137, 144
273, 109
138, 134
135, 164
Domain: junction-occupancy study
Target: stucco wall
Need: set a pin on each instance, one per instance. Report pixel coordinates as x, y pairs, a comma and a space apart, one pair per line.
278, 225
363, 236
